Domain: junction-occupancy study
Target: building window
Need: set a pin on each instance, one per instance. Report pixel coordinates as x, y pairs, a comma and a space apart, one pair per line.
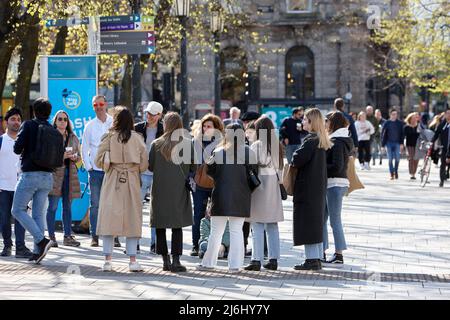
299, 73
298, 6
233, 74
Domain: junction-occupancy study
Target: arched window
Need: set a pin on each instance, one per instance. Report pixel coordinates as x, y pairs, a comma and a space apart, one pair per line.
299, 73
233, 74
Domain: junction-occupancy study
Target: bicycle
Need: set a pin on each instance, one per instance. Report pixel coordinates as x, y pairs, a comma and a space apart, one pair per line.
424, 172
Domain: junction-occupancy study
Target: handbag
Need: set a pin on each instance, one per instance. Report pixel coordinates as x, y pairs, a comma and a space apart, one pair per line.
202, 179
252, 178
289, 175
283, 191
355, 183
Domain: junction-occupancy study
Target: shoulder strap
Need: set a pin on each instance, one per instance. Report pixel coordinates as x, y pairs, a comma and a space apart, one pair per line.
1, 140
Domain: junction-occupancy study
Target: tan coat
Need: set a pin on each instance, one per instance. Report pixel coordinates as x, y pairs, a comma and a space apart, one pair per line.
58, 175
120, 210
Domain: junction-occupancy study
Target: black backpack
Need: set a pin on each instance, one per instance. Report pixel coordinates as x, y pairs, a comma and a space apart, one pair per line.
49, 152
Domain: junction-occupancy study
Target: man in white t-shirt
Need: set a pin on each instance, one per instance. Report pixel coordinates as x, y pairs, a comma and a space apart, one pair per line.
92, 135
9, 164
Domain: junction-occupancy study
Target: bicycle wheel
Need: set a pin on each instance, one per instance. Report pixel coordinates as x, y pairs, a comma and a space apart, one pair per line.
425, 172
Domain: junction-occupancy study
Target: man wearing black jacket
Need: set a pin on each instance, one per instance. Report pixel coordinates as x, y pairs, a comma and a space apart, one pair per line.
292, 133
443, 133
151, 129
35, 182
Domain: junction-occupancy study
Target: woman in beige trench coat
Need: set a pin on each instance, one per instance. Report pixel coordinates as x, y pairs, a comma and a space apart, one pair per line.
123, 157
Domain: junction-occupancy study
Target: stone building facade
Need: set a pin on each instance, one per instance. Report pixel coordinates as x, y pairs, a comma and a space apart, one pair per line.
311, 51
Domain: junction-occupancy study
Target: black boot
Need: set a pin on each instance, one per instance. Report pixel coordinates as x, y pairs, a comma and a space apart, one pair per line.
310, 264
167, 265
253, 266
271, 265
176, 264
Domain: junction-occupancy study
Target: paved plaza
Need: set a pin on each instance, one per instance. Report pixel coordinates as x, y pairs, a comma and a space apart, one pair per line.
398, 236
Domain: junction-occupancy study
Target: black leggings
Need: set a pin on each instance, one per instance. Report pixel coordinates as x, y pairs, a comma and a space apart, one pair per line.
364, 151
177, 242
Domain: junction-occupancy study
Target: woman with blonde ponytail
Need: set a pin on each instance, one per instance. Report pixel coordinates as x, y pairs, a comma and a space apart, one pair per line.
310, 189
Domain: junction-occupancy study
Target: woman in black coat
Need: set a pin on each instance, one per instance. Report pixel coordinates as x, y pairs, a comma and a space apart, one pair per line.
310, 189
230, 198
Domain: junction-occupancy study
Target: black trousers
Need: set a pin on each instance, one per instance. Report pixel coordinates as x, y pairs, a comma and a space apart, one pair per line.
177, 242
444, 168
364, 151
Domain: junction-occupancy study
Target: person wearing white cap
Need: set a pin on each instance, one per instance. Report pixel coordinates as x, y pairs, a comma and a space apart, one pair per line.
151, 129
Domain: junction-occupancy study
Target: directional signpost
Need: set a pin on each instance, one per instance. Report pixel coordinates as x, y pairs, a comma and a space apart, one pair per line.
134, 34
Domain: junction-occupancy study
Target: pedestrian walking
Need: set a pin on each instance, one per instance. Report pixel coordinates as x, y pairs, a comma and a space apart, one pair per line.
123, 157
364, 131
93, 132
170, 205
151, 129
9, 166
443, 134
412, 134
310, 190
204, 142
337, 183
66, 184
266, 205
376, 142
392, 139
229, 166
42, 150
292, 133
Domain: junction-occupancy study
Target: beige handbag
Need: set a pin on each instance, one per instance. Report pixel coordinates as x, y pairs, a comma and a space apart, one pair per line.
355, 183
289, 175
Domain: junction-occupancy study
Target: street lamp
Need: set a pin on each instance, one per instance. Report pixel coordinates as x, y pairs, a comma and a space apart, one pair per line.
181, 9
217, 25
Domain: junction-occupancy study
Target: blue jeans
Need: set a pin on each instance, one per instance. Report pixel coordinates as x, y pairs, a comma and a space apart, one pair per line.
67, 209
147, 181
200, 197
95, 186
393, 152
290, 149
203, 246
273, 241
314, 251
108, 243
333, 210
6, 201
34, 186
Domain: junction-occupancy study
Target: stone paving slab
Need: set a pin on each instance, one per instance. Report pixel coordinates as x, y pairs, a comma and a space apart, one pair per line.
398, 238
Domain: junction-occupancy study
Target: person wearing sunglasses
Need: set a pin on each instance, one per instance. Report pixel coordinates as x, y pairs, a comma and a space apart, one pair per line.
92, 135
151, 129
66, 184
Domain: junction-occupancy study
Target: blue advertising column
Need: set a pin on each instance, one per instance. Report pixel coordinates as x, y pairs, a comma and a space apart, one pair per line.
70, 83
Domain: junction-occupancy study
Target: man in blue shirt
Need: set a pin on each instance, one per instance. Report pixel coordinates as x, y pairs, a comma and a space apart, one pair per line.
392, 137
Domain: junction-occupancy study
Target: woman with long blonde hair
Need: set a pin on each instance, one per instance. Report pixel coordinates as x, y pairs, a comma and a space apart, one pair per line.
170, 206
310, 189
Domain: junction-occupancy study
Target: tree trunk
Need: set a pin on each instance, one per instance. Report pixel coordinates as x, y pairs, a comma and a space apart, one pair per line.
28, 55
125, 89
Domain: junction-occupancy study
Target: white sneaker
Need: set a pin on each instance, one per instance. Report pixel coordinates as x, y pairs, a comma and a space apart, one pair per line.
203, 268
362, 167
367, 166
135, 267
107, 266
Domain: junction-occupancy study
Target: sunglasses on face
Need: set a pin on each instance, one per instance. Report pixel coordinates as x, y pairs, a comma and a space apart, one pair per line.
99, 104
63, 119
